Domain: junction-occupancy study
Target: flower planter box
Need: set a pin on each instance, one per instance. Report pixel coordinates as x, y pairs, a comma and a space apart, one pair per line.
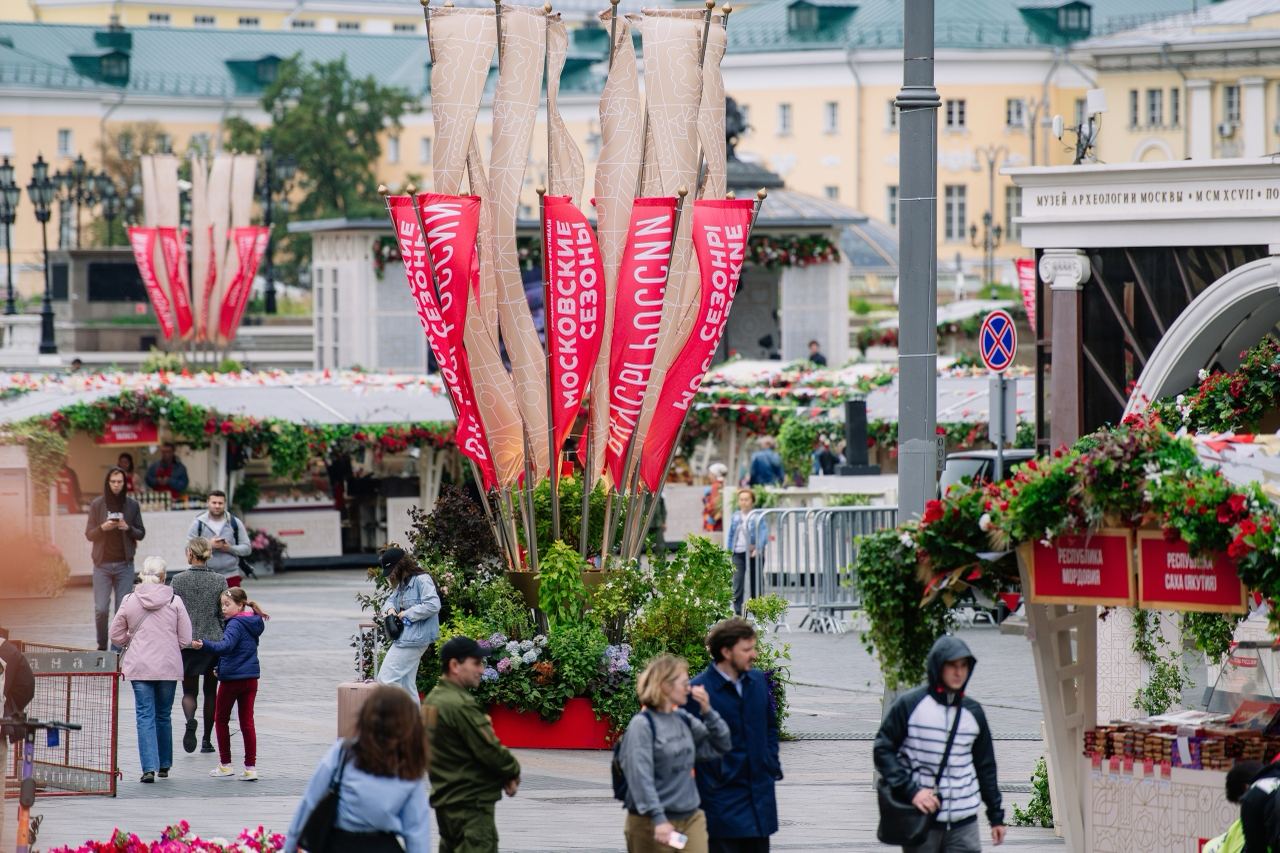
577, 728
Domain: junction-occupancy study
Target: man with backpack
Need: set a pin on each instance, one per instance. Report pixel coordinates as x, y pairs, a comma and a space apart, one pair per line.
226, 534
934, 750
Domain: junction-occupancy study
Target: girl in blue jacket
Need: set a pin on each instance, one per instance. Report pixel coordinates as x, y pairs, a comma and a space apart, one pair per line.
238, 674
415, 601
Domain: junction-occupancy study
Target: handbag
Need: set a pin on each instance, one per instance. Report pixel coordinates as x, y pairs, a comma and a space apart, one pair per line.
318, 830
901, 823
391, 622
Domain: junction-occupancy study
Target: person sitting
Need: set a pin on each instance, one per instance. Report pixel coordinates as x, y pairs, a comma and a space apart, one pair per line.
168, 474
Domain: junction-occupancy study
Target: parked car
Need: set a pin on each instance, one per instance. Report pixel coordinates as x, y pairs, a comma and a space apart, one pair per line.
978, 466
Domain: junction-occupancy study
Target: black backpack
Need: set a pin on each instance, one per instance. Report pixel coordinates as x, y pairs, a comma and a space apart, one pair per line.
615, 766
245, 566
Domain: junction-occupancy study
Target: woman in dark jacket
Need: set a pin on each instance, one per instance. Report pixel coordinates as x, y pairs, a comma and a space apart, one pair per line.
115, 529
201, 591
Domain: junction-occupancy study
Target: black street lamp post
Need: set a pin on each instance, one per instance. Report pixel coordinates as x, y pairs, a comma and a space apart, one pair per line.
10, 195
76, 186
41, 190
991, 236
109, 196
277, 171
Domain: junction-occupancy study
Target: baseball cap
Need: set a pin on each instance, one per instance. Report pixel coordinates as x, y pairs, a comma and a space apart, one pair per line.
388, 558
460, 648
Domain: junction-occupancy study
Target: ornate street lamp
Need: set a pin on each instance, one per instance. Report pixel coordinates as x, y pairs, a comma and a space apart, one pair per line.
277, 172
76, 186
10, 195
41, 190
991, 237
111, 204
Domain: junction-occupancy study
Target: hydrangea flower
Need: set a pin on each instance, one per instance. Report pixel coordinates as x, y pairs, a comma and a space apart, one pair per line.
490, 674
529, 656
526, 645
513, 648
504, 666
498, 639
540, 641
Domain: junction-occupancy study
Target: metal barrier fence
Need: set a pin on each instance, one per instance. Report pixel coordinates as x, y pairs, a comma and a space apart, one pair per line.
74, 686
809, 559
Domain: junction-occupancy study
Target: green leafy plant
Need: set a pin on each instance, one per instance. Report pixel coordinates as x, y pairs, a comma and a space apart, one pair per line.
1212, 633
562, 595
576, 650
1166, 679
797, 440
1039, 810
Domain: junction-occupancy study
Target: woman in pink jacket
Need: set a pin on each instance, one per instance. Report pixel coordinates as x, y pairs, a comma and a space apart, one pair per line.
153, 627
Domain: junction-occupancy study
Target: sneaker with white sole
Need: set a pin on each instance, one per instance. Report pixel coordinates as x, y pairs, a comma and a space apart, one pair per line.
250, 774
222, 771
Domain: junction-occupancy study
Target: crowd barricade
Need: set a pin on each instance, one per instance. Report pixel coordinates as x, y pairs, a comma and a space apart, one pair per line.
810, 557
74, 686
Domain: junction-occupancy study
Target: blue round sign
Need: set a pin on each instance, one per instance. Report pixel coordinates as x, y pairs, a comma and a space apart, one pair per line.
998, 341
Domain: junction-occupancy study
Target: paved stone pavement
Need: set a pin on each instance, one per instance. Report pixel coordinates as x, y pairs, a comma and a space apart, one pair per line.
826, 801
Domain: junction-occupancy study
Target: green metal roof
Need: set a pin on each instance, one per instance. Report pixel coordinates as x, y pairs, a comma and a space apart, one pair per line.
975, 24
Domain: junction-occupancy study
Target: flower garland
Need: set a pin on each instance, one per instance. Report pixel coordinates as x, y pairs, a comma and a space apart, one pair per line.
1229, 402
178, 838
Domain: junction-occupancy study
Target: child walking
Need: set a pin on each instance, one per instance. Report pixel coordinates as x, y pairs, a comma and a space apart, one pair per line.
238, 674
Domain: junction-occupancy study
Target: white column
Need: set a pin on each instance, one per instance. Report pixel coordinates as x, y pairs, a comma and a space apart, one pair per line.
1254, 108
1200, 123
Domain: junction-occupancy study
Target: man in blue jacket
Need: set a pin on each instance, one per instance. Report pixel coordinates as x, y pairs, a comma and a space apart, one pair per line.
737, 788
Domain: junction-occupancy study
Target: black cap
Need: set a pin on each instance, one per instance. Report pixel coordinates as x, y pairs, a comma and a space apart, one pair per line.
460, 648
390, 557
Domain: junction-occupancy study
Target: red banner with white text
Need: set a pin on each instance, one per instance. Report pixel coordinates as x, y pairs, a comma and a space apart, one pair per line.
251, 244
143, 241
452, 231
637, 312
720, 231
175, 265
1027, 287
574, 315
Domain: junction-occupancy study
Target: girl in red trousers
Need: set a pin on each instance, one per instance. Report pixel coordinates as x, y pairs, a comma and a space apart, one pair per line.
238, 674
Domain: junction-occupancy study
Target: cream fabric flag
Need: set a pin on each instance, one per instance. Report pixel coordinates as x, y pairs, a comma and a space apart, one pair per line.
621, 140
220, 219
200, 243
564, 160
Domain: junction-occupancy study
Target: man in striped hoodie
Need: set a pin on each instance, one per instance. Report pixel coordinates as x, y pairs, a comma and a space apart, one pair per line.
911, 743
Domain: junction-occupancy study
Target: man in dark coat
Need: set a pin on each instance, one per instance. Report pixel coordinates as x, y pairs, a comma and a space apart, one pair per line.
737, 788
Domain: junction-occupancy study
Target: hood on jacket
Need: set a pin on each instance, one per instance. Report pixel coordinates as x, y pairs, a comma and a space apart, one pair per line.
251, 622
153, 596
945, 648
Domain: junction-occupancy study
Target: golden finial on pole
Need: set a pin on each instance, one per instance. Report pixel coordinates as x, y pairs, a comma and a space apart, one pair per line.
546, 8
725, 10
410, 188
383, 190
730, 195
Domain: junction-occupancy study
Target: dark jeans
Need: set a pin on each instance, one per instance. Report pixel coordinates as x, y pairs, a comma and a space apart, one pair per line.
109, 577
745, 569
738, 845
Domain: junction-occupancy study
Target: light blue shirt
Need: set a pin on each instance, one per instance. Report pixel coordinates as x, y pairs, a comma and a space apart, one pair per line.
368, 803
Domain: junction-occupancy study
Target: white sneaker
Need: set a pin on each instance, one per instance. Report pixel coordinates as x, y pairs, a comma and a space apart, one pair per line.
222, 771
250, 774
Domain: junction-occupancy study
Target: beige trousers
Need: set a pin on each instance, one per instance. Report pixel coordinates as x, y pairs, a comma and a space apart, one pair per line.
638, 832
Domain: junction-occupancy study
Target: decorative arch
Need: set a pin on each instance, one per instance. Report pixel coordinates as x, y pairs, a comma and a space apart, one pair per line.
1152, 145
1231, 315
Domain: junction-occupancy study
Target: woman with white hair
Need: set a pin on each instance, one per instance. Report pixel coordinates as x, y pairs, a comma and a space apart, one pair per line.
152, 626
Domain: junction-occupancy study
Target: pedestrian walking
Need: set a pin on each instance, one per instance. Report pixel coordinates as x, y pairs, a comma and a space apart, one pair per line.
238, 674
931, 723
227, 536
746, 540
201, 590
658, 752
152, 626
415, 602
114, 526
766, 465
816, 357
713, 498
1259, 819
381, 798
1240, 780
737, 789
470, 770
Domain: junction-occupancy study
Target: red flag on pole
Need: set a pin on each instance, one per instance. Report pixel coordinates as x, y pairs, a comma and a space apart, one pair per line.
251, 244
452, 231
720, 231
175, 264
574, 313
143, 241
1027, 285
637, 311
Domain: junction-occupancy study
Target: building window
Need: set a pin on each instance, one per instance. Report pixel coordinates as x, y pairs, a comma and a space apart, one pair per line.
204, 21
1135, 118
1155, 107
784, 119
891, 205
1175, 107
404, 28
6, 140
1231, 104
164, 143
802, 17
891, 115
64, 143
393, 149
249, 23
954, 203
424, 150
158, 19
349, 26
302, 24
832, 192
955, 114
1012, 208
831, 117
1015, 112
1079, 112
66, 226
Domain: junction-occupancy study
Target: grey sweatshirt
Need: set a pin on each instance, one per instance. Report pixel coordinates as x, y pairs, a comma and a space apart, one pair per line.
660, 772
225, 563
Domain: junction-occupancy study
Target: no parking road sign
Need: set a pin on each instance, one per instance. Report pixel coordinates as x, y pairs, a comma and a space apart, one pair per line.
998, 341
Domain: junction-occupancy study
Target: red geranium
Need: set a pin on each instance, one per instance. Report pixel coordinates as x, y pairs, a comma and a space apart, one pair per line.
932, 512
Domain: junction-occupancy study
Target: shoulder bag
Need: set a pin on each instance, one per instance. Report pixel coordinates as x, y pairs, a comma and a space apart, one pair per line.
901, 823
391, 622
317, 831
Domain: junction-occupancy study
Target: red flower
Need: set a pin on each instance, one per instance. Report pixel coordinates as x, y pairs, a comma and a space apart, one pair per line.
227, 427
1191, 503
1237, 503
932, 512
1031, 463
1238, 548
1248, 528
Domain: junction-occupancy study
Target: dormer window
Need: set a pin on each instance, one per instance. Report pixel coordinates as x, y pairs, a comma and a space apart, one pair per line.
268, 69
1073, 19
802, 17
114, 68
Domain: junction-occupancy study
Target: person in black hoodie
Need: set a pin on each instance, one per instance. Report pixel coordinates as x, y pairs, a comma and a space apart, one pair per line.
911, 743
1258, 815
115, 528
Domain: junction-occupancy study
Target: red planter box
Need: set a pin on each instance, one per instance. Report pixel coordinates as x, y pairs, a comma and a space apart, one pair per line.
577, 728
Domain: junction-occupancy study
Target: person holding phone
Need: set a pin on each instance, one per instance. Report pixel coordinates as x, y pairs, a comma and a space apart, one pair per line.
227, 536
115, 528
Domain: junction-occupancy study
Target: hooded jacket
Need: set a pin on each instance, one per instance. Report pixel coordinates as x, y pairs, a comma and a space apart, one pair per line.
238, 649
1258, 814
913, 737
98, 509
154, 641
